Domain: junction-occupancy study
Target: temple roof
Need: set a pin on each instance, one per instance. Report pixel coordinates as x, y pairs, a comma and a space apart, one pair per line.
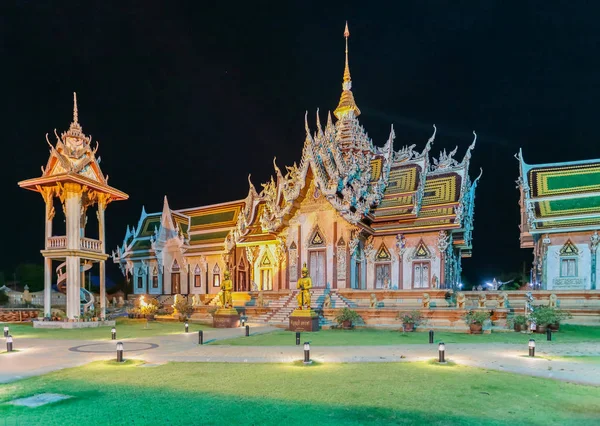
73, 160
560, 196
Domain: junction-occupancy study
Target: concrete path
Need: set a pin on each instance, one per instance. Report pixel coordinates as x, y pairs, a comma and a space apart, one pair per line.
38, 356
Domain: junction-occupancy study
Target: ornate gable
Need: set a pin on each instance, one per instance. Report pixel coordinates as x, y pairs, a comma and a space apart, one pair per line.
421, 251
316, 238
383, 254
569, 249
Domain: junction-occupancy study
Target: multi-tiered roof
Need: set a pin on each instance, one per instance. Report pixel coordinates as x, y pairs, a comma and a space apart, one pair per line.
377, 189
558, 197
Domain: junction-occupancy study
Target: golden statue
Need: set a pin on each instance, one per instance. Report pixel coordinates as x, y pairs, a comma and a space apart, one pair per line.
304, 285
226, 287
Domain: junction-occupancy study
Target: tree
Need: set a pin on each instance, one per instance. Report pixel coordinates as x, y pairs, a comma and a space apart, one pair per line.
31, 274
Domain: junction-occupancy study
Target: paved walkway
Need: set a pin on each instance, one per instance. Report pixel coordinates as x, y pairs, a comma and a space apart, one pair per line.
39, 356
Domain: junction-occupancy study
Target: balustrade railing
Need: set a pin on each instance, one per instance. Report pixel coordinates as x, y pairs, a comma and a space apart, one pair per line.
90, 245
87, 244
57, 243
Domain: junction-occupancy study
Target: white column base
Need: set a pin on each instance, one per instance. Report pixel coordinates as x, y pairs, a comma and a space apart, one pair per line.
73, 287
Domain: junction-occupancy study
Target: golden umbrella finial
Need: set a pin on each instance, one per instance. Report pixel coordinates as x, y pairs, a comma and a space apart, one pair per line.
346, 68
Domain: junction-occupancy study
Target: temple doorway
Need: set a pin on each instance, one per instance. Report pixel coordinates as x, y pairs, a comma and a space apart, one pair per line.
316, 268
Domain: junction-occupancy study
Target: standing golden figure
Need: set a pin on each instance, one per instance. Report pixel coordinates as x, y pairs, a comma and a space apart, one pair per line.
304, 285
226, 287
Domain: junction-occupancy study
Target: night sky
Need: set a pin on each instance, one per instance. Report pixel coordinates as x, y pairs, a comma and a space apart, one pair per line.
187, 101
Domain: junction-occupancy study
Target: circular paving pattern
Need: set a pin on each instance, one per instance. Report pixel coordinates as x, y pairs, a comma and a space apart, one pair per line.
103, 348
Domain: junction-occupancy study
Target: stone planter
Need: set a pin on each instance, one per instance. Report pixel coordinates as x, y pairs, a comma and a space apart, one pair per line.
408, 327
540, 328
347, 325
476, 328
554, 327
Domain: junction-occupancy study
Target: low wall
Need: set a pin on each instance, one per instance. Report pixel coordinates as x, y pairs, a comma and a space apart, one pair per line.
18, 314
73, 325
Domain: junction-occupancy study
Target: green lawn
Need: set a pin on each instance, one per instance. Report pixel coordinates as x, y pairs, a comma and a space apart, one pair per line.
576, 358
126, 329
360, 337
349, 394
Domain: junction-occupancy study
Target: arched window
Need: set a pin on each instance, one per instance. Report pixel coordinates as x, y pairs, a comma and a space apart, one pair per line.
197, 276
216, 276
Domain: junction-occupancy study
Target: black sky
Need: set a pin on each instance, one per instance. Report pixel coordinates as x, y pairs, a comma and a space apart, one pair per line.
186, 100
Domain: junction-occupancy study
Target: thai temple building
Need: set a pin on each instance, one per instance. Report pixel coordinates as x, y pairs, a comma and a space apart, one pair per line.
360, 216
560, 218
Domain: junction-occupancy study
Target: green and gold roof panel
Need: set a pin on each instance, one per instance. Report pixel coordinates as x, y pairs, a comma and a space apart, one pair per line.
151, 222
140, 244
375, 169
563, 180
569, 206
214, 217
410, 226
568, 223
208, 237
403, 179
441, 189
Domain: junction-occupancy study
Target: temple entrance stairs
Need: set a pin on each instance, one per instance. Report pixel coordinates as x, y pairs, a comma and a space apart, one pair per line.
281, 310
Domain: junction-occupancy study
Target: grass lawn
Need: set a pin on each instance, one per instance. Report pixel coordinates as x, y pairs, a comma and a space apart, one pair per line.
360, 337
576, 358
126, 329
349, 394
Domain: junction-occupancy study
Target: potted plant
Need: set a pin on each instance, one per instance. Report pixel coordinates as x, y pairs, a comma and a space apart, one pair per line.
519, 323
410, 320
547, 317
475, 319
346, 317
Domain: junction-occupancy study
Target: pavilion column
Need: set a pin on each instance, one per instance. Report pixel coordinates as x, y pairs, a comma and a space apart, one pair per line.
48, 198
101, 236
72, 197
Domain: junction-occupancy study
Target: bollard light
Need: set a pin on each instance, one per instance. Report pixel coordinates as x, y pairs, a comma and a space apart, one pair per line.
442, 353
431, 336
5, 331
9, 343
187, 327
113, 333
307, 353
200, 337
247, 330
548, 334
297, 338
531, 347
243, 322
119, 352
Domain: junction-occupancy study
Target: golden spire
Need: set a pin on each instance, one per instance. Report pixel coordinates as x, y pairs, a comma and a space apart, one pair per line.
347, 103
347, 68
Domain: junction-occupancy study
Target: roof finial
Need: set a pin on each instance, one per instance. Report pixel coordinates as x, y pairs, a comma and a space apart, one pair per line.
75, 114
346, 68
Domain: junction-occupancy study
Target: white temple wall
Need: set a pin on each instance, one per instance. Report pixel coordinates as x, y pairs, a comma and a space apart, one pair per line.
583, 269
409, 259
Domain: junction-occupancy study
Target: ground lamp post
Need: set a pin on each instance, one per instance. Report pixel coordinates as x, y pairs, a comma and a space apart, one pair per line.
187, 327
113, 333
5, 331
200, 337
297, 338
548, 334
307, 353
9, 343
243, 322
119, 352
247, 330
531, 347
431, 336
442, 353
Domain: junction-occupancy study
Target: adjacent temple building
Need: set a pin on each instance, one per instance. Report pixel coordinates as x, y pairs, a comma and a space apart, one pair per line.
360, 216
560, 216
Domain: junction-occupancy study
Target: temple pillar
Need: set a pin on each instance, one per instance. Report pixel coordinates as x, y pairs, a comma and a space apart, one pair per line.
47, 287
72, 197
49, 214
101, 236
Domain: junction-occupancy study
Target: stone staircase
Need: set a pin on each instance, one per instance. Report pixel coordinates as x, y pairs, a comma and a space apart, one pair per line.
285, 305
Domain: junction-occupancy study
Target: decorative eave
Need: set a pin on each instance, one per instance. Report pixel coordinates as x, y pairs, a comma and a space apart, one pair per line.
35, 184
